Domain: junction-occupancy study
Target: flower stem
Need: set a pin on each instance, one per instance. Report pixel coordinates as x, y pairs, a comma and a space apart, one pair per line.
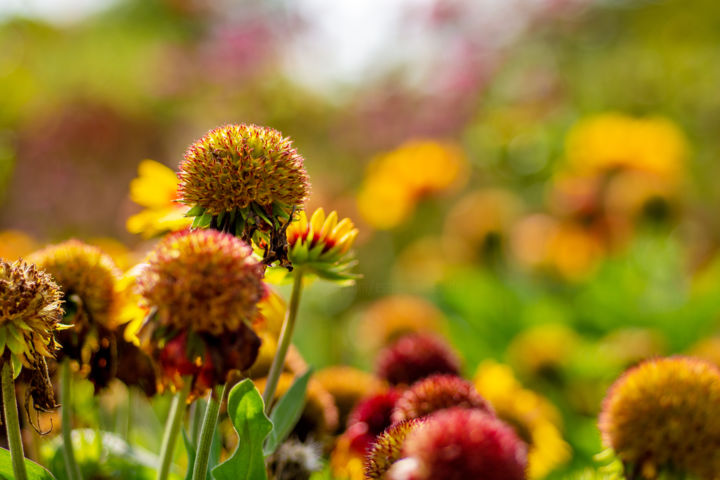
286, 335
172, 428
206, 433
12, 424
71, 466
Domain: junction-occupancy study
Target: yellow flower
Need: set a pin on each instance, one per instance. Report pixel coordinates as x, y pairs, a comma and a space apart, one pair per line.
535, 419
322, 244
664, 415
708, 349
610, 141
543, 349
397, 180
30, 313
345, 462
155, 188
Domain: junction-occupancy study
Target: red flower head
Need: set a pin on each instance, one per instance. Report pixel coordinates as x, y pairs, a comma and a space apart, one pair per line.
461, 444
370, 417
414, 357
437, 393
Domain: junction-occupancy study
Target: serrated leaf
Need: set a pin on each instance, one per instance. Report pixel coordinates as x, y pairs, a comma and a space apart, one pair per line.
245, 409
287, 412
34, 471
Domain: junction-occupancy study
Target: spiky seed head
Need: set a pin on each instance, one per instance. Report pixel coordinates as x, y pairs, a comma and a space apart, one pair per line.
414, 357
202, 281
664, 415
435, 393
233, 166
87, 277
387, 449
458, 444
370, 417
30, 313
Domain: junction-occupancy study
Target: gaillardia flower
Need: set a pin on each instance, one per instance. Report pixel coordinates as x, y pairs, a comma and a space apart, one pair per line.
414, 357
30, 313
459, 444
245, 180
156, 189
322, 244
534, 419
88, 279
388, 448
663, 415
370, 417
202, 288
438, 392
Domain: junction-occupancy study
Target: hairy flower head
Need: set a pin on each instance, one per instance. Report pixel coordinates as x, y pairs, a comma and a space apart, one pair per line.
87, 277
387, 449
664, 415
202, 280
370, 417
459, 444
414, 357
322, 244
30, 313
438, 392
534, 419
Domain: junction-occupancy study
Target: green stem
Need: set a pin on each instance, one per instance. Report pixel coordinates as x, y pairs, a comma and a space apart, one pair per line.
206, 433
196, 417
73, 470
12, 425
286, 335
172, 428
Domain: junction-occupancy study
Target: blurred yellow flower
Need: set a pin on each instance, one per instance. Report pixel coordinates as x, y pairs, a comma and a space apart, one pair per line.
347, 385
15, 244
535, 419
543, 349
346, 463
611, 141
396, 180
155, 188
389, 318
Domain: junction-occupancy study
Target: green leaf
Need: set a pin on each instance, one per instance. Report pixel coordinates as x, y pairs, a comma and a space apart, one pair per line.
195, 211
34, 471
245, 409
287, 412
202, 221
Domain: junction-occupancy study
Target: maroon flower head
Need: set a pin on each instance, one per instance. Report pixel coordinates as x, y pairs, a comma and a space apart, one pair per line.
461, 444
438, 392
370, 417
414, 357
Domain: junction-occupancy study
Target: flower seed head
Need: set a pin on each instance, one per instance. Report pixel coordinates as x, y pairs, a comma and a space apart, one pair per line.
435, 393
388, 449
664, 414
29, 313
202, 280
414, 357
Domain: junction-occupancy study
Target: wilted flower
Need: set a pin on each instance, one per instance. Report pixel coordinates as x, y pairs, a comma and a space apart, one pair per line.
246, 180
459, 444
30, 313
664, 415
535, 420
202, 289
155, 188
322, 245
387, 449
414, 357
88, 279
397, 180
438, 392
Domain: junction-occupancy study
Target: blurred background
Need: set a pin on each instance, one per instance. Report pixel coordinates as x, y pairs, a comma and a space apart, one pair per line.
534, 179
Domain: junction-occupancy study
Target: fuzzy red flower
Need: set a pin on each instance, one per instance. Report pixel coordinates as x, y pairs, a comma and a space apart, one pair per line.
414, 357
370, 417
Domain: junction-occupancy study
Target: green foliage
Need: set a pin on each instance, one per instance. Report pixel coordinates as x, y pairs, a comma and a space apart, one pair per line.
246, 410
286, 413
34, 471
